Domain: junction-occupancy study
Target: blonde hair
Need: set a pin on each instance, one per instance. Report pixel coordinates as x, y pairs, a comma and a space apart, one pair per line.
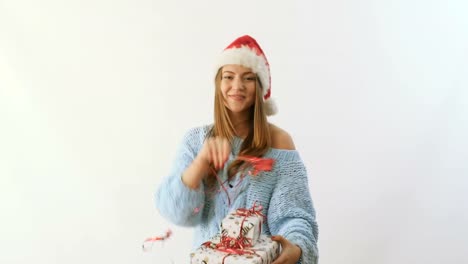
258, 140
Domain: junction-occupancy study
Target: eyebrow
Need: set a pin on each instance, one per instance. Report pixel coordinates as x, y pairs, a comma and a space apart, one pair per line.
241, 74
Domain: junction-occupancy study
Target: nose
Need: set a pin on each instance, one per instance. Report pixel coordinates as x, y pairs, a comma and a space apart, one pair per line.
238, 84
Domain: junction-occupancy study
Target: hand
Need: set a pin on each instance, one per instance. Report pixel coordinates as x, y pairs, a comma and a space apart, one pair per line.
290, 253
215, 151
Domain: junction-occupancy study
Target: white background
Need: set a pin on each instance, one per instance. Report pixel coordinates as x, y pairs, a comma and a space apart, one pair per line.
96, 95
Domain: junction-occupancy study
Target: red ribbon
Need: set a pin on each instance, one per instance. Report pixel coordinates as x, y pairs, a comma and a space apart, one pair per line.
157, 238
222, 185
254, 210
226, 246
257, 165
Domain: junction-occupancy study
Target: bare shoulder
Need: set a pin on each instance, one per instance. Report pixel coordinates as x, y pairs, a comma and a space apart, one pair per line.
280, 139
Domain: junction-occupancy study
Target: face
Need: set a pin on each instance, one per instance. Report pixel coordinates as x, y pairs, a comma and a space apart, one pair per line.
238, 86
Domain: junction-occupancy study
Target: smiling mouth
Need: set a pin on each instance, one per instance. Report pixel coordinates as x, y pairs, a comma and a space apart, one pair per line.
237, 97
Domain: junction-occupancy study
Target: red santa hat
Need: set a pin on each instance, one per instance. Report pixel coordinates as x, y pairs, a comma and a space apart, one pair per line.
245, 51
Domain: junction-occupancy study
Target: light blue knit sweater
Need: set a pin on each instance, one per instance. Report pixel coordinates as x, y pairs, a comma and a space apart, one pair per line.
283, 193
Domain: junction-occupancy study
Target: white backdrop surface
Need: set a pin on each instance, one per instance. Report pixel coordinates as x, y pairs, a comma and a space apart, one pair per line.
96, 95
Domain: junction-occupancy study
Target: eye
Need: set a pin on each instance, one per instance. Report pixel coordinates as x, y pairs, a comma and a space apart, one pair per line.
228, 77
251, 78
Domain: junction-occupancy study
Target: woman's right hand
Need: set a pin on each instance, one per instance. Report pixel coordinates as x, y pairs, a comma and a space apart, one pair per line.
215, 151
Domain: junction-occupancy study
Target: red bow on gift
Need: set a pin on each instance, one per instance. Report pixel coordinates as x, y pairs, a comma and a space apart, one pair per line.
241, 244
254, 210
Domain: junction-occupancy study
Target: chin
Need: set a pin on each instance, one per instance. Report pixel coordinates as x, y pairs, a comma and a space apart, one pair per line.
234, 108
236, 111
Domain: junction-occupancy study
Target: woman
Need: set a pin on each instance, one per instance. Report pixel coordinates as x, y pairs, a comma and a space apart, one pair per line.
242, 104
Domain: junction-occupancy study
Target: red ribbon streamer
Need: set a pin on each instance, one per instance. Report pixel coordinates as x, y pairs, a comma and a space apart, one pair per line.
257, 165
157, 238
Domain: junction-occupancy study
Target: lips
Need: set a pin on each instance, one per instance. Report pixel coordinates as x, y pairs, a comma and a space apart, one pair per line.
237, 97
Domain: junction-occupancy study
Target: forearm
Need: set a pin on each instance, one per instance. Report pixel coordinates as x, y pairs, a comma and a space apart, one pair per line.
195, 173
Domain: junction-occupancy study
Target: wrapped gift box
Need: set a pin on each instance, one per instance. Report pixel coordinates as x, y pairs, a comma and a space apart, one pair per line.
237, 224
264, 252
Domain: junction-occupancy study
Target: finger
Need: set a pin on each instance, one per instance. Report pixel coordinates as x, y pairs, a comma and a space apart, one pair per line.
212, 152
220, 153
281, 259
205, 153
227, 149
216, 155
279, 239
283, 241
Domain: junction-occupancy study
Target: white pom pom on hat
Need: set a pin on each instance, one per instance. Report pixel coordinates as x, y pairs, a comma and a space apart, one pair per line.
245, 51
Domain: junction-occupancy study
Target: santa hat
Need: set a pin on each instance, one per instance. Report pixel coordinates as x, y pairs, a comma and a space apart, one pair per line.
245, 51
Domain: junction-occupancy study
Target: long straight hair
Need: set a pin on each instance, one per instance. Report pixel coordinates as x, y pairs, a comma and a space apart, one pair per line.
258, 140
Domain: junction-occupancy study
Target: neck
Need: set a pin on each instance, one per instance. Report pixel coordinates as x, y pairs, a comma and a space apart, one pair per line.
241, 125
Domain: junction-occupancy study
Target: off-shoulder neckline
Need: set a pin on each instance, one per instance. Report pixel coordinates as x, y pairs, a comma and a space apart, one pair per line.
287, 154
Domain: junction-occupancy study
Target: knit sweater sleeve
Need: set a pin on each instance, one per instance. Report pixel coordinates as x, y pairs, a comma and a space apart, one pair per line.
174, 200
291, 213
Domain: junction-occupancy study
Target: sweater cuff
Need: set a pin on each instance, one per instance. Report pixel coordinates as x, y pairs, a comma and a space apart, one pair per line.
180, 204
188, 199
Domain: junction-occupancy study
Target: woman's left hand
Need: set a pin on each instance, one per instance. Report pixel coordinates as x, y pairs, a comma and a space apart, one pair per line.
290, 253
